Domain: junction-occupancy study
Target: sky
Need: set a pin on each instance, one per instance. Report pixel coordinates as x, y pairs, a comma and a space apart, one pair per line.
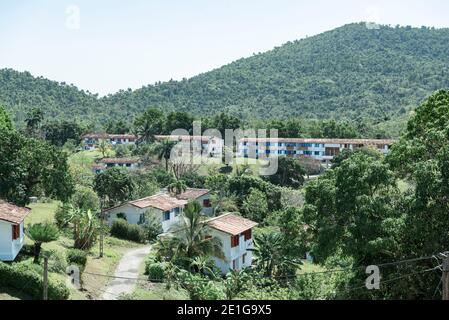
107, 45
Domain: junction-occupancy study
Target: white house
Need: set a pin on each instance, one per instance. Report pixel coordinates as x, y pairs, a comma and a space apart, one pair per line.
200, 195
162, 205
235, 233
12, 235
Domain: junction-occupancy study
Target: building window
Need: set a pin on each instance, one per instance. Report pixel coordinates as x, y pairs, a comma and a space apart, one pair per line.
177, 211
206, 203
15, 232
248, 235
235, 241
166, 215
244, 259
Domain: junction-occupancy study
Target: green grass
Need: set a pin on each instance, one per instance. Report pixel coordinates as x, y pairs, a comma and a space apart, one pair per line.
156, 291
42, 212
85, 158
114, 250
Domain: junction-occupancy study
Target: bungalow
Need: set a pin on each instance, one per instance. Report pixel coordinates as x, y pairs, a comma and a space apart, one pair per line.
235, 233
162, 205
200, 195
12, 237
108, 163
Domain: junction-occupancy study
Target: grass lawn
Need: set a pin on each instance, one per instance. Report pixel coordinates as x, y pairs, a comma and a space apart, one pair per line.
12, 294
93, 285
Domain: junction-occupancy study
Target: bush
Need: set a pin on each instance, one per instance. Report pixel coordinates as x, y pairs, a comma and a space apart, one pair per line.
20, 277
62, 216
57, 262
78, 257
156, 271
123, 230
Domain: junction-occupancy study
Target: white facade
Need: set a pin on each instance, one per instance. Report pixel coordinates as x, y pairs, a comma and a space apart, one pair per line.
235, 258
318, 149
9, 248
135, 215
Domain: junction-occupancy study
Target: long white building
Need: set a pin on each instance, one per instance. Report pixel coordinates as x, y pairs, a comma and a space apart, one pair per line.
318, 149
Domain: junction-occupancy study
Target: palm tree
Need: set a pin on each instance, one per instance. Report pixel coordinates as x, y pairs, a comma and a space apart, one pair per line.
190, 237
235, 282
177, 187
86, 227
163, 151
270, 256
202, 265
42, 233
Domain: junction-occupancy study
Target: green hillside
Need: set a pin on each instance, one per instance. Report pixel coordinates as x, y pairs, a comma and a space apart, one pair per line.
351, 72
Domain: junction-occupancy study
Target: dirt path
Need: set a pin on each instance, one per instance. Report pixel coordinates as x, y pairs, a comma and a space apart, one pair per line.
128, 267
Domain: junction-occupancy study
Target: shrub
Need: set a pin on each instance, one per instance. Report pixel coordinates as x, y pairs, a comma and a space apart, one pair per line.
156, 271
57, 262
123, 230
62, 216
20, 277
78, 257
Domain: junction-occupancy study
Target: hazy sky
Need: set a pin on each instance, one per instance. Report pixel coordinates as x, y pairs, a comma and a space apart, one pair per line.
107, 45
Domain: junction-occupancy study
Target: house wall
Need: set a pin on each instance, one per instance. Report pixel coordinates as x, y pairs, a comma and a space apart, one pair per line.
316, 151
133, 216
206, 211
10, 249
231, 254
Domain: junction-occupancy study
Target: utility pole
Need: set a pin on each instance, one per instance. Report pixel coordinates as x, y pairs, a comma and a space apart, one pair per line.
102, 228
445, 279
45, 282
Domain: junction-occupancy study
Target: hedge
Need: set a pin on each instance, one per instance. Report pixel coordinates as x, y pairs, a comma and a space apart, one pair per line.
18, 277
123, 230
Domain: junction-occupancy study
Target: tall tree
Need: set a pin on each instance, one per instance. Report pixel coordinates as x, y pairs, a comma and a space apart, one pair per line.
149, 124
33, 120
114, 185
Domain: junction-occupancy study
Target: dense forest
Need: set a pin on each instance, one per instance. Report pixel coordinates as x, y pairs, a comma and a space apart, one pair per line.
349, 73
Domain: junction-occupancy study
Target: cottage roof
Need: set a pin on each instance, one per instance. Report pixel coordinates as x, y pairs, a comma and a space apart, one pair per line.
231, 224
191, 194
12, 213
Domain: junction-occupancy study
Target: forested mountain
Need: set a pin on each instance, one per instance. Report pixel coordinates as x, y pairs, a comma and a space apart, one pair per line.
351, 72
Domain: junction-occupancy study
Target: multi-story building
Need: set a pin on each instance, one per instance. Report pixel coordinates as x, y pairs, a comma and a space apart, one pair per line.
235, 233
211, 146
318, 149
91, 140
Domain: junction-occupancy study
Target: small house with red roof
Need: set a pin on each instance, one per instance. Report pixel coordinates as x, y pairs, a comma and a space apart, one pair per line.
236, 236
12, 237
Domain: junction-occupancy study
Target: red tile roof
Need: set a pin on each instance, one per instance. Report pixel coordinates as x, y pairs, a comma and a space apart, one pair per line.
184, 138
108, 136
231, 224
12, 213
159, 201
119, 160
191, 194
